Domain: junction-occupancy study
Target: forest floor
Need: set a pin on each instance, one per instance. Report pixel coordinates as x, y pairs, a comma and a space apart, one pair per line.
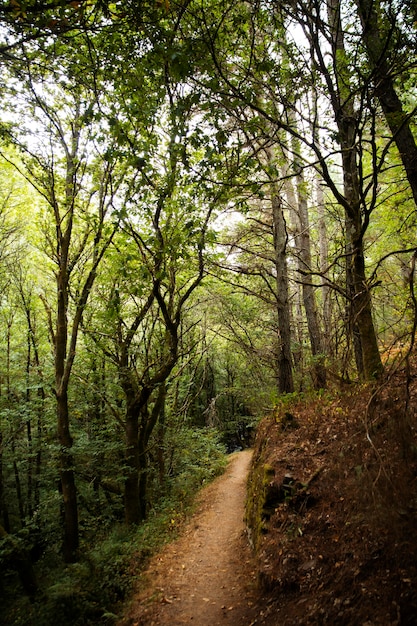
336, 477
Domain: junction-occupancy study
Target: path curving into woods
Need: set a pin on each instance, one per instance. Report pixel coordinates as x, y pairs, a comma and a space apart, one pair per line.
206, 577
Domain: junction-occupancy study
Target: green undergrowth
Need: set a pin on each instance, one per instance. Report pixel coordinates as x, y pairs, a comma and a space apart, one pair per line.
93, 590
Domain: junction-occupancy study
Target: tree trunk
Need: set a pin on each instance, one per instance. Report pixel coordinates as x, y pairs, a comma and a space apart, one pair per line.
397, 119
369, 365
17, 481
285, 375
323, 237
140, 424
18, 485
362, 308
161, 439
143, 470
351, 323
309, 299
324, 260
4, 513
38, 465
66, 469
133, 512
30, 459
67, 481
35, 464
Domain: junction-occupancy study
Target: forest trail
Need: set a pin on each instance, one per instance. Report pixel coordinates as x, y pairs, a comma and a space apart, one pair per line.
206, 577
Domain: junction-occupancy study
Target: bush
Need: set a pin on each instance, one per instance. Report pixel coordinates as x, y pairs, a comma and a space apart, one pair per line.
92, 590
198, 456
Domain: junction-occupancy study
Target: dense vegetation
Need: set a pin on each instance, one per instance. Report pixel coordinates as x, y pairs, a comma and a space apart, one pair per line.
205, 206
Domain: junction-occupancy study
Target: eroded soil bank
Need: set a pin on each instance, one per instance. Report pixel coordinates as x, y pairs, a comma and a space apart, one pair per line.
207, 577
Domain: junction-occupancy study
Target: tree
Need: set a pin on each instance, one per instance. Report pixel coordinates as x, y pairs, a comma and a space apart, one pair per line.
383, 41
9, 260
65, 172
166, 218
305, 267
238, 85
342, 98
280, 238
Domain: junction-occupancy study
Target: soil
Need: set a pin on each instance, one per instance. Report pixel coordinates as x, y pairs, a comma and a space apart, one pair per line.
338, 540
332, 514
207, 577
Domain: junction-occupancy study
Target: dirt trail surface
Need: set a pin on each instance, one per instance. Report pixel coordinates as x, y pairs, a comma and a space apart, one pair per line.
207, 577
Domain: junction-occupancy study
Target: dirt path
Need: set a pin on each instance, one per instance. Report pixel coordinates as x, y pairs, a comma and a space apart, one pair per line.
207, 576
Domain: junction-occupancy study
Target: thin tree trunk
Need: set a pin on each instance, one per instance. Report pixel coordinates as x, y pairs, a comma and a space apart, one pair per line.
301, 227
3, 507
136, 425
309, 298
38, 464
39, 422
18, 486
67, 479
30, 460
370, 364
296, 318
35, 464
65, 341
17, 481
324, 259
140, 424
161, 439
351, 323
67, 474
298, 324
285, 375
143, 468
133, 512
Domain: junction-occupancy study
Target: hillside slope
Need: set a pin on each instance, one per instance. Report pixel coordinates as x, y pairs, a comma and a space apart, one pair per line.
332, 508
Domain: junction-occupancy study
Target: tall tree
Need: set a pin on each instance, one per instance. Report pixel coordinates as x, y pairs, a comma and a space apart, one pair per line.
285, 361
76, 183
368, 357
9, 263
383, 41
304, 254
166, 217
238, 87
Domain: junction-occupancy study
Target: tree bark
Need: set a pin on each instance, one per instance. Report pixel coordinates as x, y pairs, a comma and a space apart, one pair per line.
369, 364
4, 512
67, 480
161, 437
304, 266
285, 374
67, 475
140, 423
133, 509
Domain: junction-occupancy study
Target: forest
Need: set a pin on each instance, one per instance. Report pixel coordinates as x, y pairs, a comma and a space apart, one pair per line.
205, 206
